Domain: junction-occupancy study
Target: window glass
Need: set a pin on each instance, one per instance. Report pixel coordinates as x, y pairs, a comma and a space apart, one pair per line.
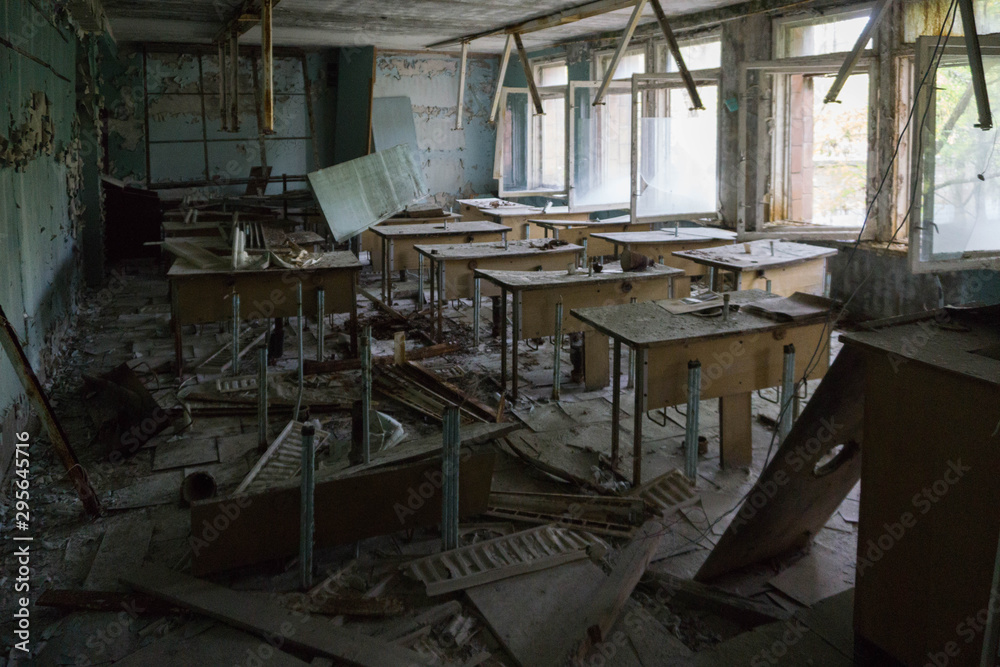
556, 74
830, 35
706, 55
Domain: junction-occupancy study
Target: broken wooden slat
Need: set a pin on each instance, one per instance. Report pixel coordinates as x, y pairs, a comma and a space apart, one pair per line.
246, 612
610, 598
601, 515
393, 499
281, 461
123, 548
60, 443
314, 367
667, 493
194, 254
528, 551
467, 403
237, 384
744, 611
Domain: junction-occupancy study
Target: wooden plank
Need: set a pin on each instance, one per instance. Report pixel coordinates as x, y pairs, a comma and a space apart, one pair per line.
798, 502
218, 645
536, 616
450, 392
123, 549
807, 277
607, 602
394, 499
267, 619
744, 611
736, 430
184, 453
36, 396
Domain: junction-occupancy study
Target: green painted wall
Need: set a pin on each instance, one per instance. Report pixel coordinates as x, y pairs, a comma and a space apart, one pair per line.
355, 78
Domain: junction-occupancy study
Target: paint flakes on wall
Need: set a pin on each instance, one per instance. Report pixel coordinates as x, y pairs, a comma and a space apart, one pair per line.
32, 138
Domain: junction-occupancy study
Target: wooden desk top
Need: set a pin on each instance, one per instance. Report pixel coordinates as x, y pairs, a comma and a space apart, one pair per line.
450, 217
537, 280
450, 251
649, 324
965, 341
485, 202
666, 236
553, 223
340, 259
735, 258
431, 229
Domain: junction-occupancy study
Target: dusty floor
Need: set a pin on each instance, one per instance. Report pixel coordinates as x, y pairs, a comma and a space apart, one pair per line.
129, 322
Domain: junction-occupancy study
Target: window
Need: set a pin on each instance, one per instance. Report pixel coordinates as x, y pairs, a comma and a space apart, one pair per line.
532, 148
633, 62
836, 33
818, 152
601, 146
957, 198
698, 55
554, 73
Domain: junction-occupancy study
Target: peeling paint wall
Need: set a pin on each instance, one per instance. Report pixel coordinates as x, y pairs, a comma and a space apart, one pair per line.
39, 206
457, 163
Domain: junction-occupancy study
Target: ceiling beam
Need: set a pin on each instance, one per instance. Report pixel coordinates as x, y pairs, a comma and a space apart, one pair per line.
620, 51
675, 50
246, 16
570, 15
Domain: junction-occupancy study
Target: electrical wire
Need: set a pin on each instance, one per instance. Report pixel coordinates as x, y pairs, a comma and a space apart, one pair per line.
937, 54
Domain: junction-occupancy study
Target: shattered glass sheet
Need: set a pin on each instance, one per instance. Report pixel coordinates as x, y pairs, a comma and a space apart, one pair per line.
361, 193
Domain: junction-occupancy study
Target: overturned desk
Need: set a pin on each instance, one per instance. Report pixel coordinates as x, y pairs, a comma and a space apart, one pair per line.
399, 245
581, 231
452, 266
664, 243
736, 356
200, 296
541, 298
782, 267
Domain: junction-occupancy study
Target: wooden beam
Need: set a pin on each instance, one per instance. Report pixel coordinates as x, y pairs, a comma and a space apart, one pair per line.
859, 46
267, 64
523, 55
620, 51
504, 61
461, 85
675, 50
248, 14
310, 633
38, 400
542, 22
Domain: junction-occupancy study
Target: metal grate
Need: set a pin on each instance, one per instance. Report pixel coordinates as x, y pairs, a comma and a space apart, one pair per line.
528, 551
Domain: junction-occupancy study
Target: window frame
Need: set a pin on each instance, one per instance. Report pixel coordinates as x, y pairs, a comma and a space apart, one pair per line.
661, 52
548, 92
918, 242
671, 80
783, 24
599, 64
617, 87
537, 64
775, 145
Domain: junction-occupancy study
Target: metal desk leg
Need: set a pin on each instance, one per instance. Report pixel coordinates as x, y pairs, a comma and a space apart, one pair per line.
787, 391
711, 278
385, 269
503, 340
440, 279
420, 282
557, 352
387, 260
641, 359
476, 299
691, 424
515, 335
616, 402
320, 323
354, 314
236, 334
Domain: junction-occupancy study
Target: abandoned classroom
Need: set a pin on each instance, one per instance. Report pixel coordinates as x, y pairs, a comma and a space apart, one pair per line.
609, 333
